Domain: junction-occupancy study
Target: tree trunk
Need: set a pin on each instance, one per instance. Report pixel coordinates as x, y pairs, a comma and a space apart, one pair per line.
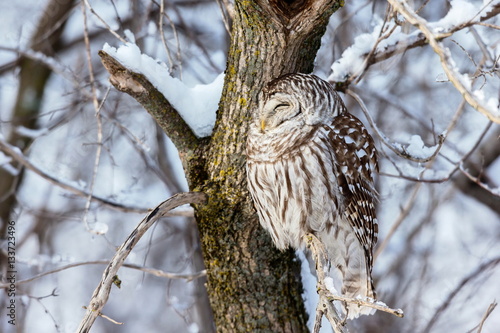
252, 287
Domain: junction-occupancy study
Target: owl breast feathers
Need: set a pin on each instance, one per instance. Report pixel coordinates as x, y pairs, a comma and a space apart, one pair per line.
309, 170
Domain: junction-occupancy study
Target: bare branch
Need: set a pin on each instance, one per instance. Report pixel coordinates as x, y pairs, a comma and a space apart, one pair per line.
120, 38
402, 216
490, 309
477, 181
152, 271
397, 148
21, 159
325, 306
101, 293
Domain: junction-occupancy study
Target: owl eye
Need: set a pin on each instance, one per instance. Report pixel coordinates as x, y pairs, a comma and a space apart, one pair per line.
281, 106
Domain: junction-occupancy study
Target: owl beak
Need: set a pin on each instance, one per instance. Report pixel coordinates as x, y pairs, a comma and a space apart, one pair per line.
263, 124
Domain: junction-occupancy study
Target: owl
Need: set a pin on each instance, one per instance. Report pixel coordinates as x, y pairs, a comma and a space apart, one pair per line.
309, 169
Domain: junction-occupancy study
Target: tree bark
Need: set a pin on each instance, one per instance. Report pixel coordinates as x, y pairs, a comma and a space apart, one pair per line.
252, 287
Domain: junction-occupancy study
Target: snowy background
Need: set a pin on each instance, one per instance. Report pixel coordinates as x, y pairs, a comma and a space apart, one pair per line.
439, 246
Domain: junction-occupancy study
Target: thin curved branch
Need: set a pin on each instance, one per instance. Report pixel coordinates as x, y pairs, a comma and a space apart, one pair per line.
479, 271
101, 293
446, 61
140, 88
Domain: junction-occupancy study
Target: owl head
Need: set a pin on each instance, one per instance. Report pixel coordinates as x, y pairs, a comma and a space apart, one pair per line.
296, 100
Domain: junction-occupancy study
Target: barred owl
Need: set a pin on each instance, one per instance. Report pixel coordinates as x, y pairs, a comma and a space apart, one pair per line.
309, 170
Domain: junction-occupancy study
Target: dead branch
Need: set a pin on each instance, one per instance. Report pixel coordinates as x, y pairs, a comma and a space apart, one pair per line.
101, 293
481, 269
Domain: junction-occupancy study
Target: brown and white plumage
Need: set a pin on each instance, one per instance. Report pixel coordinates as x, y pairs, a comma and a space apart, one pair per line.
309, 170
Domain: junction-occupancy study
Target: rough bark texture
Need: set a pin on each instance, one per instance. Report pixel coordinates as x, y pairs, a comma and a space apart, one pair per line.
252, 286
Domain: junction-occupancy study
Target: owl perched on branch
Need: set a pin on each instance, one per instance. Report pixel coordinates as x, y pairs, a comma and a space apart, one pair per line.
309, 170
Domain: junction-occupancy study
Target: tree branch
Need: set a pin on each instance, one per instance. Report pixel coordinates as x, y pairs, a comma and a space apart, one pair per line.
473, 275
139, 87
399, 46
21, 159
152, 271
457, 79
101, 293
325, 306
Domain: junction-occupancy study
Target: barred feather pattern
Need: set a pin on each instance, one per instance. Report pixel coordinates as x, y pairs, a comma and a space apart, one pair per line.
309, 169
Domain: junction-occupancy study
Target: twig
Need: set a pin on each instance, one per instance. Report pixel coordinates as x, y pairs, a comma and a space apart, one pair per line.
490, 309
479, 327
395, 147
414, 40
475, 180
162, 36
225, 13
101, 293
106, 317
167, 117
97, 108
104, 22
325, 307
21, 159
375, 305
152, 271
97, 154
474, 274
404, 213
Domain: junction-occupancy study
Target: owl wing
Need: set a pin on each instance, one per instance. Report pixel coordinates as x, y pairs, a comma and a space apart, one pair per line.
355, 159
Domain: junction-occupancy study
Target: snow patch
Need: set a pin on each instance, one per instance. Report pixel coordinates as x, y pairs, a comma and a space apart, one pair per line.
197, 105
417, 148
461, 11
100, 228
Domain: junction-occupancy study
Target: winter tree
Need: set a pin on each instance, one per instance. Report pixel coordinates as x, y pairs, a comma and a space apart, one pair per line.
111, 108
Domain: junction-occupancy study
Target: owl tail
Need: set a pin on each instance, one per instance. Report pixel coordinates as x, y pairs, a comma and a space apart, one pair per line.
350, 276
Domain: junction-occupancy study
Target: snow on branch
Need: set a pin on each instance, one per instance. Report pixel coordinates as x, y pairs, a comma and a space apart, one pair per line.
387, 39
196, 105
109, 277
462, 83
